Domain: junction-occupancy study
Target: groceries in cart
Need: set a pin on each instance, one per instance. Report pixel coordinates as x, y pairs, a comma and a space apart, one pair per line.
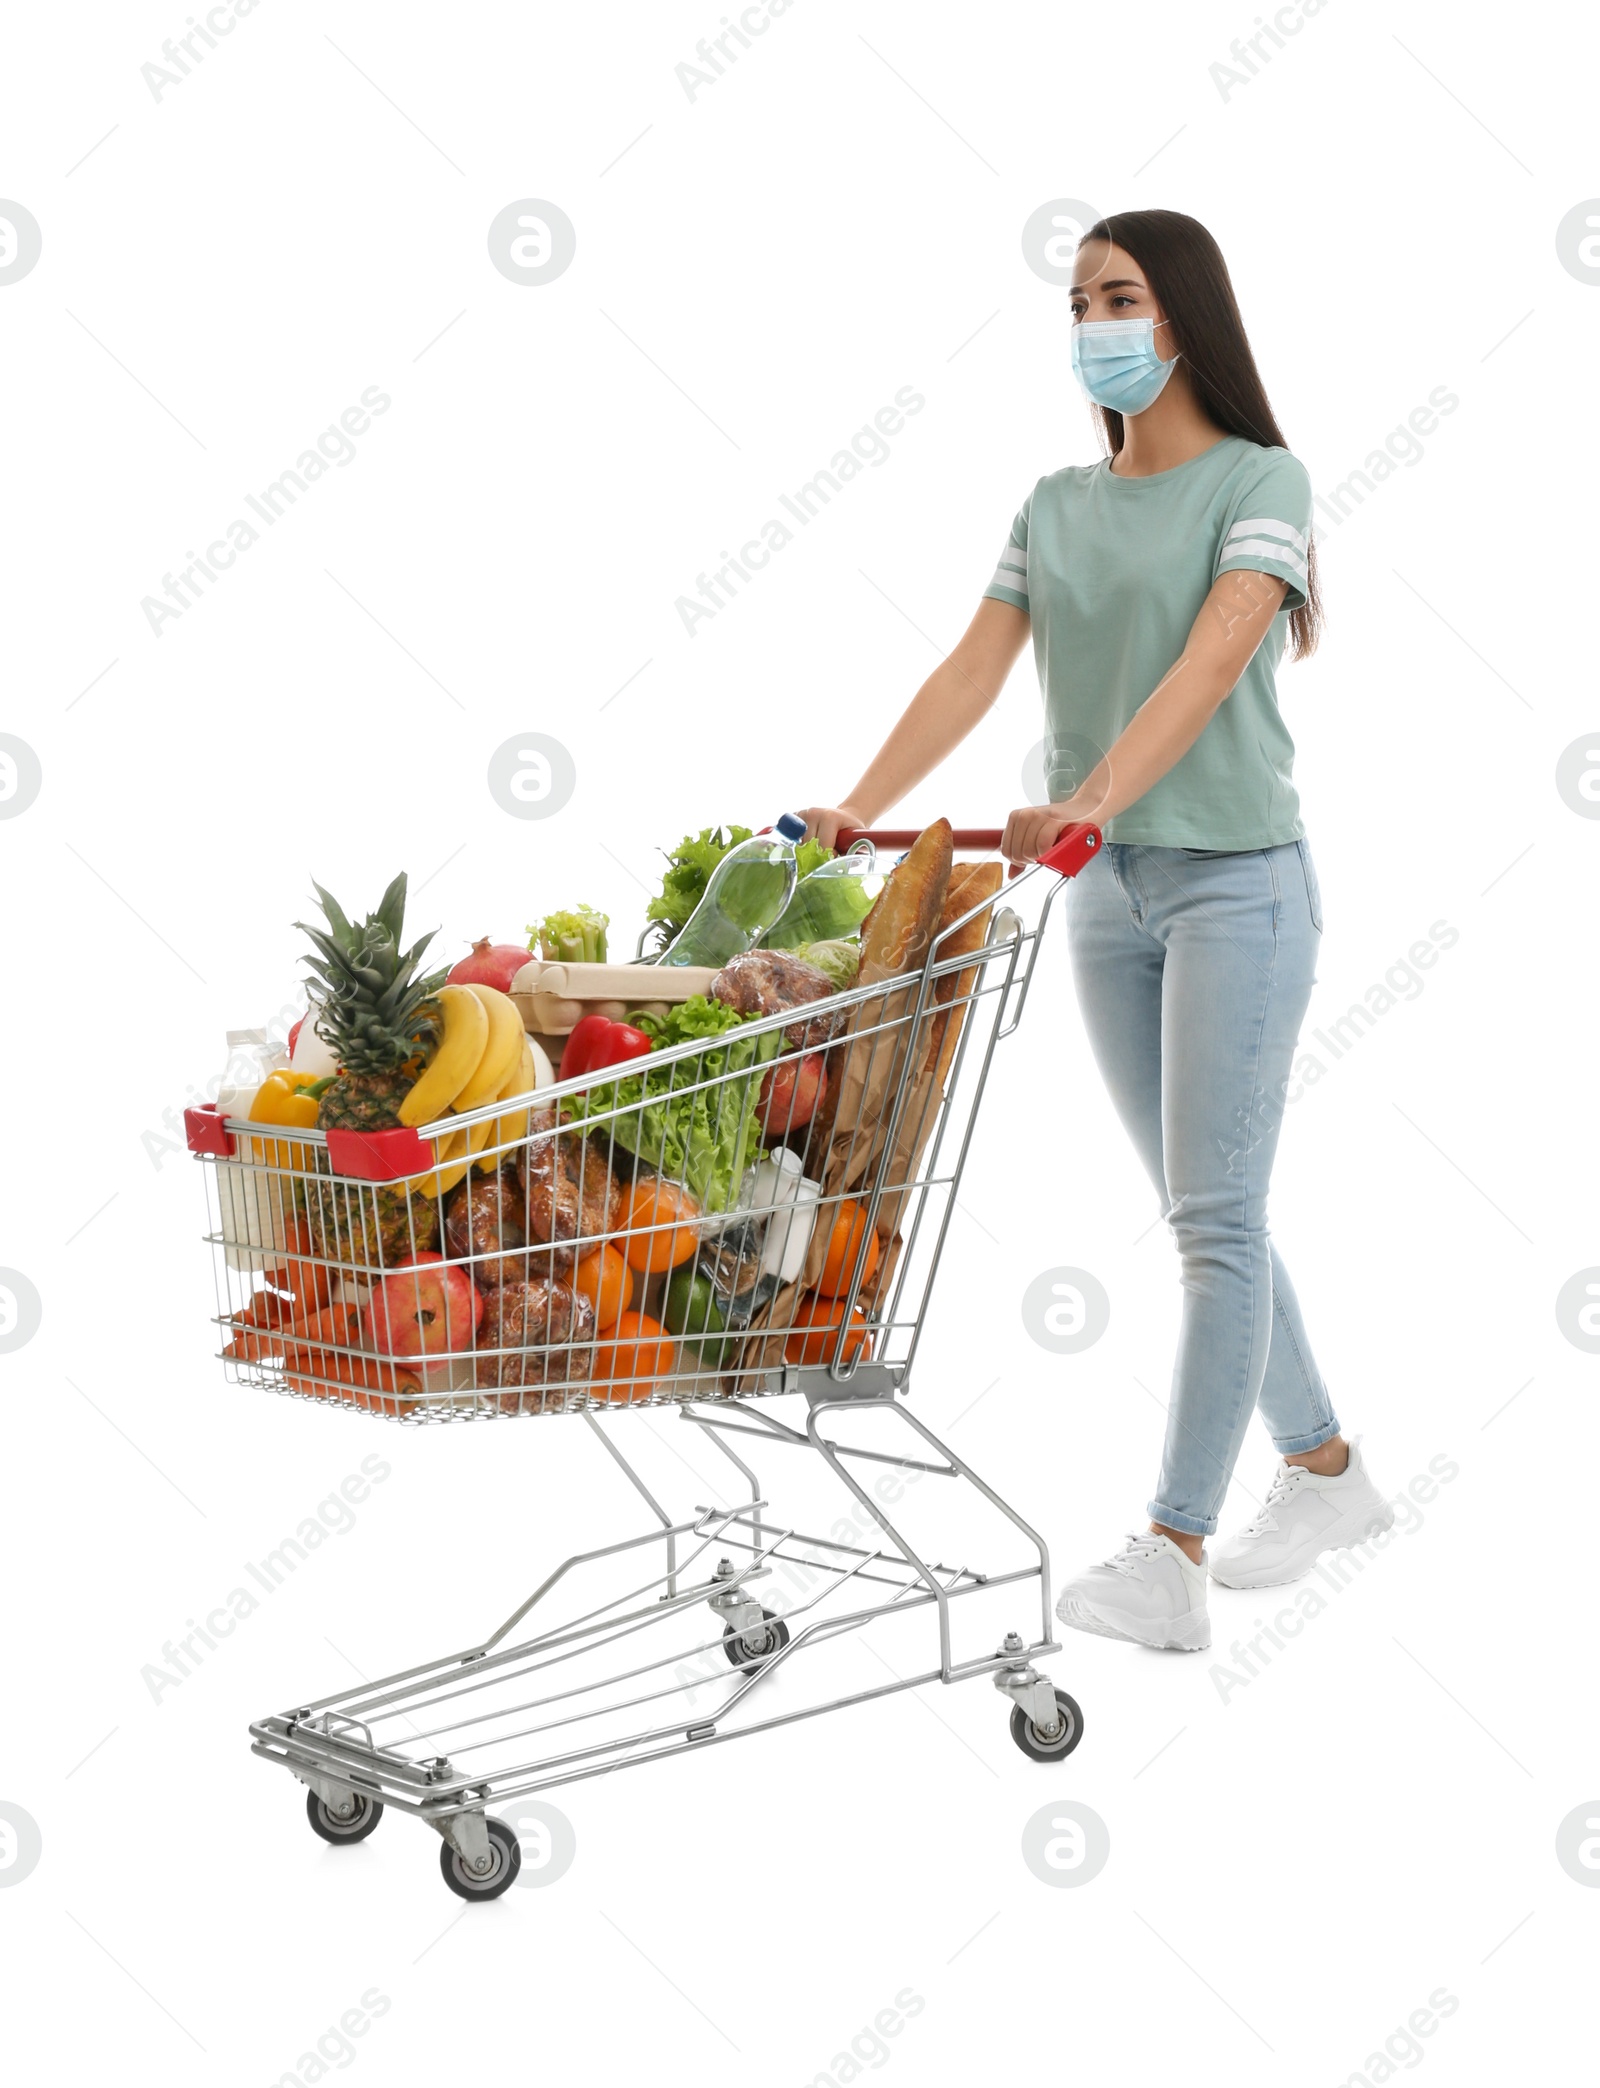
544, 1178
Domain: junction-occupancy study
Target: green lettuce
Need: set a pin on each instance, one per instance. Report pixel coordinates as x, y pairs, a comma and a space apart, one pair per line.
689, 865
705, 1140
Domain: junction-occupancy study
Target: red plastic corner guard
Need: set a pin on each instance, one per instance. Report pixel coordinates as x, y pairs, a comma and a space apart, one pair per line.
379, 1156
369, 1156
205, 1131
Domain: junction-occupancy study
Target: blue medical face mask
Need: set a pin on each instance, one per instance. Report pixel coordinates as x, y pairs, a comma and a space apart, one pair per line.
1116, 363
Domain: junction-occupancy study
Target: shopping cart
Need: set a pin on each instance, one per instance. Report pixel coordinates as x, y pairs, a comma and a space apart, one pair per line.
797, 1260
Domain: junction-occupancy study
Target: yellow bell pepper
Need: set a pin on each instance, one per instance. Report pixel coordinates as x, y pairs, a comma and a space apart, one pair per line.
282, 1099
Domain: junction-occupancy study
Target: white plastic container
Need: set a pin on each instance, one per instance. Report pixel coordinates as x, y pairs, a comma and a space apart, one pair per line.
783, 1194
253, 1206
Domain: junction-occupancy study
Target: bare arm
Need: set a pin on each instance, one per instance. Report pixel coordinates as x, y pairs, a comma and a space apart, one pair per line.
1233, 620
958, 693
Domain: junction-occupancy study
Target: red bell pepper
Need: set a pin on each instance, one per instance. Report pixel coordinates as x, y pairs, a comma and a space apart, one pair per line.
579, 1048
597, 1042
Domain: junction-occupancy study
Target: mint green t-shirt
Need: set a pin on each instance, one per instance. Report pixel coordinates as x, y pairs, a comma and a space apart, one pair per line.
1112, 572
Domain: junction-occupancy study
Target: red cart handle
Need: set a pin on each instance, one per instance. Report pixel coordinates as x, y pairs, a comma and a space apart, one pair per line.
1071, 850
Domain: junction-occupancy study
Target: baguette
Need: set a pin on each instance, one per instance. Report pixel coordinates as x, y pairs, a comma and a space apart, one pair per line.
896, 934
969, 883
894, 938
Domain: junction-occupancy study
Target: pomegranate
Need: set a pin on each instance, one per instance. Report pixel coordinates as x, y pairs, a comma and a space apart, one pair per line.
427, 1307
490, 964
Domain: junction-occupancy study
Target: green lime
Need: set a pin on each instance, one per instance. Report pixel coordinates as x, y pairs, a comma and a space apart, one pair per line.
690, 1305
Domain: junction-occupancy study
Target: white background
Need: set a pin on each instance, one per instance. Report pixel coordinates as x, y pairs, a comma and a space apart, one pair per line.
1293, 1870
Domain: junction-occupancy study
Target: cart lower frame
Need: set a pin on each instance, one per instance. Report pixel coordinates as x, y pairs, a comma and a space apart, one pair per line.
348, 1750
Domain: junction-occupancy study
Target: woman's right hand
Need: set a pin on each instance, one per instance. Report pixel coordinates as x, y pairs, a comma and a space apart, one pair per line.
823, 822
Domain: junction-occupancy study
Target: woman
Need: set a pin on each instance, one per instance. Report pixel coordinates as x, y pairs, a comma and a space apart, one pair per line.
1159, 585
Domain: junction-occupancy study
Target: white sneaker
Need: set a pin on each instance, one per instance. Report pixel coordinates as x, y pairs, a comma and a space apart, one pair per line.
1149, 1592
1303, 1516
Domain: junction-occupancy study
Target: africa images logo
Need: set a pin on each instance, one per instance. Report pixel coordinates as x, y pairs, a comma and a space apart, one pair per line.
335, 446
1337, 1573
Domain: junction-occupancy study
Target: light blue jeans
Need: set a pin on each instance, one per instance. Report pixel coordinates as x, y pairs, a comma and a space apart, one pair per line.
1194, 971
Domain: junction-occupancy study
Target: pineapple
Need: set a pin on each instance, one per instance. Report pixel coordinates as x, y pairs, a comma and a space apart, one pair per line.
368, 1227
379, 1018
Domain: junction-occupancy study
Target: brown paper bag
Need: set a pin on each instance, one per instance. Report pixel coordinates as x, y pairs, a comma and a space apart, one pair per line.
771, 1327
969, 883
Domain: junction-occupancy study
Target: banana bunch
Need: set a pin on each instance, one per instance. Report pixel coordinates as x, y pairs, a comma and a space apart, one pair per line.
484, 1055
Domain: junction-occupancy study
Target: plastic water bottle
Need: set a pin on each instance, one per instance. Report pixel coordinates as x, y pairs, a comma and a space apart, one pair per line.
744, 895
830, 903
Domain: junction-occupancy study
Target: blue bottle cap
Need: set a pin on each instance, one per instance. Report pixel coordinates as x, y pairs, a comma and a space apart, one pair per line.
791, 826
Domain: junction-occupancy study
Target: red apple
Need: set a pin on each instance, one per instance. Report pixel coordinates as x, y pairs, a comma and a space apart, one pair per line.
490, 964
790, 1094
426, 1308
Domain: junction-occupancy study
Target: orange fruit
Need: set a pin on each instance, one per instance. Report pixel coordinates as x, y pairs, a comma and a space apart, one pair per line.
844, 1244
815, 1332
605, 1279
658, 1203
634, 1356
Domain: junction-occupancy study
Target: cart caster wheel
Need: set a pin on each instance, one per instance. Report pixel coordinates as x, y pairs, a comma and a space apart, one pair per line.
336, 1827
756, 1646
1048, 1748
505, 1860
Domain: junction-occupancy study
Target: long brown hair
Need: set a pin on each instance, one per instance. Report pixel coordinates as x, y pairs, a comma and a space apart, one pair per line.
1189, 279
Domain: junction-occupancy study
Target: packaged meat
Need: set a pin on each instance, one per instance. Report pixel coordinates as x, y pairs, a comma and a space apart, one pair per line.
486, 1218
546, 1330
569, 1189
766, 982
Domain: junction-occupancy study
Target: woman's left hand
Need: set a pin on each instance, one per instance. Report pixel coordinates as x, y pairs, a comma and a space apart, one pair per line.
1034, 828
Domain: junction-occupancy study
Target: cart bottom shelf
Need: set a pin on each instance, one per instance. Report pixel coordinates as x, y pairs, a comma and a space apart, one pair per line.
687, 1656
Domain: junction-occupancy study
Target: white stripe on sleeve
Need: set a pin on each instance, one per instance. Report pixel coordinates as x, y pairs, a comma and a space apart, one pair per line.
1012, 571
1264, 547
1267, 525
